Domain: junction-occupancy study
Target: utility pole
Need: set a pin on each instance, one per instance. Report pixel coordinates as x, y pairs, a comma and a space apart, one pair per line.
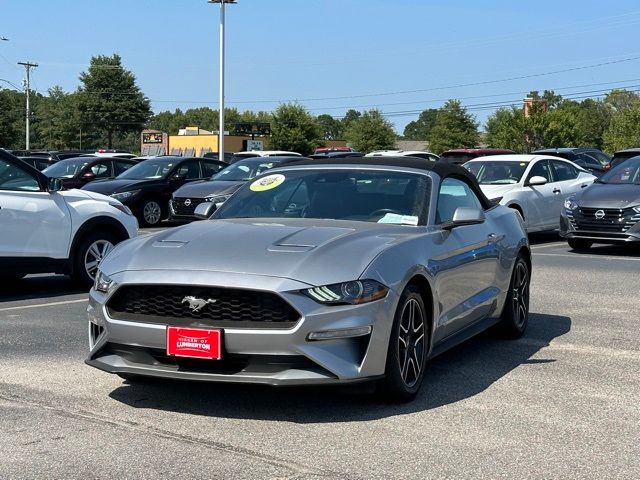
28, 66
221, 115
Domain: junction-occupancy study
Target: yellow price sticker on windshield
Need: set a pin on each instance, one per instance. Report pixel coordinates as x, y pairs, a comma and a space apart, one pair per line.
267, 183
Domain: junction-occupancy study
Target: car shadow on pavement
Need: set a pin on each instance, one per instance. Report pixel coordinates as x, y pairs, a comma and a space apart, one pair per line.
39, 286
540, 238
462, 372
610, 251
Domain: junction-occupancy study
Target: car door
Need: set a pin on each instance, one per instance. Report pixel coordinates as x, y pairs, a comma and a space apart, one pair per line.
465, 279
569, 179
34, 223
544, 200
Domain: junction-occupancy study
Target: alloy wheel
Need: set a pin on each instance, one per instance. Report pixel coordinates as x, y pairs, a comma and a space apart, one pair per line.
152, 213
520, 294
94, 255
411, 342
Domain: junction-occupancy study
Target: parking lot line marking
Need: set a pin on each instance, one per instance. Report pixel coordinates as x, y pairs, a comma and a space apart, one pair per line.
600, 257
52, 304
547, 245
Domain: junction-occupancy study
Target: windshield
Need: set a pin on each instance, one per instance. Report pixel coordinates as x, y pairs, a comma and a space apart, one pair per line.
368, 196
626, 173
244, 170
493, 172
149, 170
65, 168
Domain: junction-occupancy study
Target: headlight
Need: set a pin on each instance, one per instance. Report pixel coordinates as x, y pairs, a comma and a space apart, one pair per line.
636, 209
217, 198
570, 204
348, 293
122, 208
102, 283
125, 195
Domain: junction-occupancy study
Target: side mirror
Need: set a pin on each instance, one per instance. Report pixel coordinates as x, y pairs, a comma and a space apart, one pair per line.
54, 185
205, 210
537, 180
89, 176
465, 216
178, 177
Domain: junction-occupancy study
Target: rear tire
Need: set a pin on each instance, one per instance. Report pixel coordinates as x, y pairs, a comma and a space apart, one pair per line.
89, 253
579, 244
408, 348
515, 314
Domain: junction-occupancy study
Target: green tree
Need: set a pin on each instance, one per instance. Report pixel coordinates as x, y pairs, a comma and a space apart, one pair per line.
11, 119
420, 129
505, 128
620, 99
294, 129
110, 102
624, 129
57, 120
371, 131
594, 117
349, 117
454, 128
331, 128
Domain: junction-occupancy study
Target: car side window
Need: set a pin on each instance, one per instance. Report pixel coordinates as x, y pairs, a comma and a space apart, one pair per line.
541, 169
454, 194
121, 167
189, 170
590, 161
563, 171
14, 178
101, 170
211, 168
599, 156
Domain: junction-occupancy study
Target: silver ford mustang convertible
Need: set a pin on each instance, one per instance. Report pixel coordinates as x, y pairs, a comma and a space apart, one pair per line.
316, 273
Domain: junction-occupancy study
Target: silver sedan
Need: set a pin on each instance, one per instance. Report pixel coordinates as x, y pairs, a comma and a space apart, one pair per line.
316, 273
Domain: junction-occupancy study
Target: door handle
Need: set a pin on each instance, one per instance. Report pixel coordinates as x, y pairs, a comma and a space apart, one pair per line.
494, 237
557, 191
584, 185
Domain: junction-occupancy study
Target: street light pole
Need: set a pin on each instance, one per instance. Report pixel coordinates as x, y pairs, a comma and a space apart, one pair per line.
221, 101
28, 66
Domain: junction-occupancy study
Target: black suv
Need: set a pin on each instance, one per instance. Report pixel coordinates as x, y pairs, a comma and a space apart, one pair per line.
591, 159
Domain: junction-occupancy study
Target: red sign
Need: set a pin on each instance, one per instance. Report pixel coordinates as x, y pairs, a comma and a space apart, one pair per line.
194, 343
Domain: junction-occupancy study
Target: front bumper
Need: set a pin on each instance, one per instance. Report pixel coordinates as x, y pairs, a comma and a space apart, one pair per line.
570, 229
270, 356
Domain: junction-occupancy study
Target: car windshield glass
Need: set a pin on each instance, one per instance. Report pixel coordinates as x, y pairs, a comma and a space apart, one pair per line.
492, 172
626, 173
66, 168
243, 170
368, 196
457, 157
149, 170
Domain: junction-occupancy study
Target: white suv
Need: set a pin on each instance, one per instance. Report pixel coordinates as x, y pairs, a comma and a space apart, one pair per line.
45, 230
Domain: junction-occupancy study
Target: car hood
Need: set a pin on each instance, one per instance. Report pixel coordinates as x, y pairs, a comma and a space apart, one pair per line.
205, 188
75, 195
600, 195
495, 191
109, 187
316, 252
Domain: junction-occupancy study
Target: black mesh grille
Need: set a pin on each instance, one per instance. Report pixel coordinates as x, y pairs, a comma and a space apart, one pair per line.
221, 307
614, 220
180, 208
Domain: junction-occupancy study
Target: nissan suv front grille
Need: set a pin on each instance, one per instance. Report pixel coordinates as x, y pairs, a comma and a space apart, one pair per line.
614, 220
184, 305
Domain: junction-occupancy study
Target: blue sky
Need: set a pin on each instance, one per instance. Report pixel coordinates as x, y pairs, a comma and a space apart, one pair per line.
332, 55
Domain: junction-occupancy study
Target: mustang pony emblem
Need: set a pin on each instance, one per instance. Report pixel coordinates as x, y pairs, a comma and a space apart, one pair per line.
197, 304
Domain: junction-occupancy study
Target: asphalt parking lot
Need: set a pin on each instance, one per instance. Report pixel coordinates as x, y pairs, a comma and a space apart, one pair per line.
562, 402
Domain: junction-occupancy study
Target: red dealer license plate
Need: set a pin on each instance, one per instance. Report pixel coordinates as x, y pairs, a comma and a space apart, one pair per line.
194, 343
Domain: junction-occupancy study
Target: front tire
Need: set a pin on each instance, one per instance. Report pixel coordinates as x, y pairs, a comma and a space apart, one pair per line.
408, 347
515, 314
579, 244
151, 213
89, 254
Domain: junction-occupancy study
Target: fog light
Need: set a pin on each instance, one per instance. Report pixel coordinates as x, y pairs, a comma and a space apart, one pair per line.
340, 333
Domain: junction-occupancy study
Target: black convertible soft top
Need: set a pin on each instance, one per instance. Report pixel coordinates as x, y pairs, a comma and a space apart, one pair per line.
442, 169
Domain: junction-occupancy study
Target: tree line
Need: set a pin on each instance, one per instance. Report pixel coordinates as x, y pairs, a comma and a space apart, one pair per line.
108, 109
